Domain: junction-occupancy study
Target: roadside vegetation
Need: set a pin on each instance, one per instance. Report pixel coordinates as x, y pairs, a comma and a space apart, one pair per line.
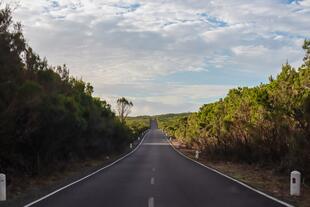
138, 124
170, 122
47, 117
123, 108
266, 125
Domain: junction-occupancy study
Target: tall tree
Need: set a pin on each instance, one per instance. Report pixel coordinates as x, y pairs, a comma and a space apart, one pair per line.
123, 108
47, 117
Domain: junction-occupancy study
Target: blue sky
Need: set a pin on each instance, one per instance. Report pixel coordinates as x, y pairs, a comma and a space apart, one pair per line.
167, 55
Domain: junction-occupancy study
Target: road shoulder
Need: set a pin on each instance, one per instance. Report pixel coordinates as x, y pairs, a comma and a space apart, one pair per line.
31, 189
262, 179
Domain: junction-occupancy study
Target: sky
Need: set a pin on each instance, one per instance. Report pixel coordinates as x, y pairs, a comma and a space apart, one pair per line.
166, 56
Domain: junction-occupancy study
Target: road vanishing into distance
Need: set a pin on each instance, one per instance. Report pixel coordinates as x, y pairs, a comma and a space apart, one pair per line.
155, 175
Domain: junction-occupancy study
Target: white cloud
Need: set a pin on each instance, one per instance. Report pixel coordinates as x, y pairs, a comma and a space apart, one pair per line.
250, 50
115, 42
170, 96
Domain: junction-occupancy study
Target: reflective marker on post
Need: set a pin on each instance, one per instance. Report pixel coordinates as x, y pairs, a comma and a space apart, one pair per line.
197, 154
2, 187
295, 183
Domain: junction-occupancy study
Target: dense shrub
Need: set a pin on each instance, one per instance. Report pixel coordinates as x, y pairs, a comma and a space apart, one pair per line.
46, 116
267, 124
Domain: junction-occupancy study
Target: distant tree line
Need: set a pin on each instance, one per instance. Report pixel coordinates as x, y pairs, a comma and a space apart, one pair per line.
138, 124
47, 117
266, 124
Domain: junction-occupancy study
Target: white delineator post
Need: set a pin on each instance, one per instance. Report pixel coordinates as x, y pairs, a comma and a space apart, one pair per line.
130, 145
295, 183
197, 154
2, 187
138, 138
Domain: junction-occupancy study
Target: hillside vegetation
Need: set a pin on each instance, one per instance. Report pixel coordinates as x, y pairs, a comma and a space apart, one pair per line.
47, 117
268, 124
170, 121
138, 124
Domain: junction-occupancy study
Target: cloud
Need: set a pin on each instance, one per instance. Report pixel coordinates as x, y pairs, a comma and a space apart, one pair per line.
172, 96
114, 43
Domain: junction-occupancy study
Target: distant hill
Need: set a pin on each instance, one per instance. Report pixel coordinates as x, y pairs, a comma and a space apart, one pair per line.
170, 115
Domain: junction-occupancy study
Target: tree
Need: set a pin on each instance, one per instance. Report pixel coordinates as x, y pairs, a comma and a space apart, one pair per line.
47, 117
268, 124
123, 108
306, 47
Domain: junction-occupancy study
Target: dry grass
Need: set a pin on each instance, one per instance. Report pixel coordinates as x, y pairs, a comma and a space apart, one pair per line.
264, 179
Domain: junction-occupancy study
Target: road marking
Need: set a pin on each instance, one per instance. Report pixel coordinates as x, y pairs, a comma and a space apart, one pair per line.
155, 143
151, 202
152, 181
87, 176
233, 179
153, 169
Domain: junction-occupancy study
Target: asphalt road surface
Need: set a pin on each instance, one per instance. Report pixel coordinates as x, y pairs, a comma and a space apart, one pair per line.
156, 176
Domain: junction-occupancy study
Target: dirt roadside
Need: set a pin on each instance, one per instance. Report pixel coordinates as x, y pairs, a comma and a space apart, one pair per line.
25, 190
263, 179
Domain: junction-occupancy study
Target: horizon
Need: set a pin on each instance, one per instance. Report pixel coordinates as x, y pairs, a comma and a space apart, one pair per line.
179, 56
161, 114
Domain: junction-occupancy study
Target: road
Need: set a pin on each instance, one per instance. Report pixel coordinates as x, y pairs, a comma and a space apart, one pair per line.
155, 175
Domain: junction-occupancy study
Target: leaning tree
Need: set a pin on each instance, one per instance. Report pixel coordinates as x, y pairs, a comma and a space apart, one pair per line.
123, 108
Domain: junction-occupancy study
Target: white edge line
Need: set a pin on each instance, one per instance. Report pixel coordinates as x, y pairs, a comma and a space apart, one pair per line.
87, 176
233, 179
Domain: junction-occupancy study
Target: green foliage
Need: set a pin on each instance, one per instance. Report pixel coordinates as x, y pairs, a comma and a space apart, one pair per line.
138, 124
266, 124
48, 118
123, 108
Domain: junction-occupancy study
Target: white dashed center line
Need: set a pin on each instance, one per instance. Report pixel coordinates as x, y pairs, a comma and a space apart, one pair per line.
151, 202
152, 181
